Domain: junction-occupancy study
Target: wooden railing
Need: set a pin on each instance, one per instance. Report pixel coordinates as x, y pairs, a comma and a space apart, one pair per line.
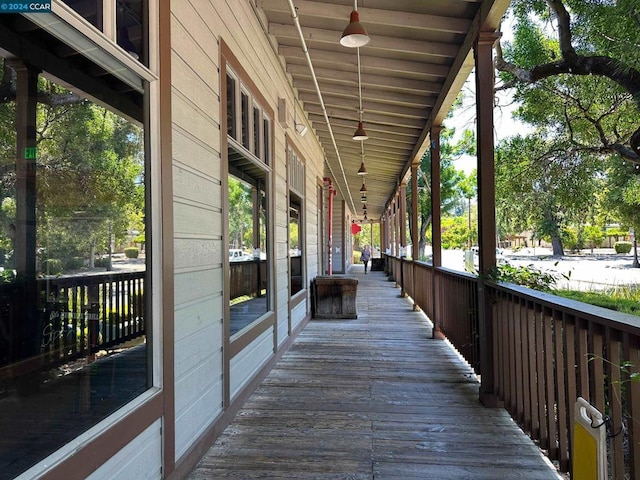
547, 351
69, 317
247, 278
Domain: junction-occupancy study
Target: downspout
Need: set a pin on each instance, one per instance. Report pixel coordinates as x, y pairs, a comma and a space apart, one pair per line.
332, 192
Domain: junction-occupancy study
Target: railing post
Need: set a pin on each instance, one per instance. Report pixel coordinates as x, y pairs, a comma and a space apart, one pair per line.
402, 292
486, 207
93, 318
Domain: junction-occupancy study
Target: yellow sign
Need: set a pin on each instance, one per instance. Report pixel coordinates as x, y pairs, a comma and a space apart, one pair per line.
589, 456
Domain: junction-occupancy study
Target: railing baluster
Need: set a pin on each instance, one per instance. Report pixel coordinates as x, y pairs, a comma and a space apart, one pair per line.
571, 366
562, 409
615, 402
534, 426
631, 355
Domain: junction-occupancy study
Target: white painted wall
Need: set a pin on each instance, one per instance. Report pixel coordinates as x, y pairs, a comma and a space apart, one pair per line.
199, 298
140, 459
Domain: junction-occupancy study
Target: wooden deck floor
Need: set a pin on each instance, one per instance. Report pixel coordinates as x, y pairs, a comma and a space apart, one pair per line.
372, 398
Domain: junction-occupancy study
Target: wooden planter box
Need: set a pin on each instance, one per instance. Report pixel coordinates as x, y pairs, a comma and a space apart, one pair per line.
334, 297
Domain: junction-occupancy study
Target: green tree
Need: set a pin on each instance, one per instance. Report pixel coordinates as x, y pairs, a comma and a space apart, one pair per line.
240, 214
469, 189
572, 63
450, 180
540, 187
89, 182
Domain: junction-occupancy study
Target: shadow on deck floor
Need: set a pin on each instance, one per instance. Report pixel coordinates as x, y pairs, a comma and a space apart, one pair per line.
372, 398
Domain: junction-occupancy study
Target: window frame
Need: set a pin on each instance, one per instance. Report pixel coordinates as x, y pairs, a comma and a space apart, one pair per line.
296, 188
234, 345
101, 441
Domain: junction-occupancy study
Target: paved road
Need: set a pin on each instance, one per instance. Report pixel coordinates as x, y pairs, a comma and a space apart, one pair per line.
604, 268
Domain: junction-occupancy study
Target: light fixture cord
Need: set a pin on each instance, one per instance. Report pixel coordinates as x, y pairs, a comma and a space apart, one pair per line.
360, 100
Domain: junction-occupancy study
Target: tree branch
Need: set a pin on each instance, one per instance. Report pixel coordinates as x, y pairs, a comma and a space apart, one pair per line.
575, 64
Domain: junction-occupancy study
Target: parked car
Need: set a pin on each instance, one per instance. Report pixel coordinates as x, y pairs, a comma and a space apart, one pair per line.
237, 255
500, 258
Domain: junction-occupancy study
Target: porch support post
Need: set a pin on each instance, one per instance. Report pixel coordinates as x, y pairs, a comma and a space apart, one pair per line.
436, 236
415, 250
403, 217
486, 207
25, 228
415, 254
27, 339
396, 203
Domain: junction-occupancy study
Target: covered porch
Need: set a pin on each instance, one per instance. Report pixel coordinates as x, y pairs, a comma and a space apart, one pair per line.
376, 397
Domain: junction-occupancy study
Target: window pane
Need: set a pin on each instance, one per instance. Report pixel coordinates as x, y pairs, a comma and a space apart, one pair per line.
256, 131
295, 246
231, 107
245, 119
91, 10
130, 27
266, 137
73, 317
247, 253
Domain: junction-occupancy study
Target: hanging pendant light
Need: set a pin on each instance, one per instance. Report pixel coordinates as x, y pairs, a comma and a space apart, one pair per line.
363, 169
363, 189
360, 133
363, 198
355, 35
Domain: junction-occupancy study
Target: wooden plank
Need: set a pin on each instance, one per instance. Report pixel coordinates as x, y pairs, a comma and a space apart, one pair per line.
375, 397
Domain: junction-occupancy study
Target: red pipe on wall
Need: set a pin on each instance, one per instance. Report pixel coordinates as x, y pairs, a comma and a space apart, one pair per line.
331, 193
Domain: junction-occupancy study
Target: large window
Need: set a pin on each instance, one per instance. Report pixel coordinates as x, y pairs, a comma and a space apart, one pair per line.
73, 263
248, 190
122, 20
296, 177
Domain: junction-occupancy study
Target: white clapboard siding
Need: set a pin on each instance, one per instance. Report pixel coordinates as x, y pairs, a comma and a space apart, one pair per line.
297, 314
140, 459
246, 364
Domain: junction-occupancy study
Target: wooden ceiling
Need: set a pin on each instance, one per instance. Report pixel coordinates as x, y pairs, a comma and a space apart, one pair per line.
418, 58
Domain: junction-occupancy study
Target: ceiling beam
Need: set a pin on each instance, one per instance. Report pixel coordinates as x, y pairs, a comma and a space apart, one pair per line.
368, 93
335, 112
344, 133
368, 107
315, 36
410, 132
416, 87
370, 16
368, 63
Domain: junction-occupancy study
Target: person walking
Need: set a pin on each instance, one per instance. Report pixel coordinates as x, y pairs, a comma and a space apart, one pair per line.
366, 255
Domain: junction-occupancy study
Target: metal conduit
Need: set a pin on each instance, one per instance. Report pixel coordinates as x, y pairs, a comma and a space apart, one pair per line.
296, 21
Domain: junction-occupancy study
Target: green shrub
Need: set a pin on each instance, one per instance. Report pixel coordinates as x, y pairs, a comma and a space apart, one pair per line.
131, 252
52, 266
73, 263
527, 276
622, 247
102, 262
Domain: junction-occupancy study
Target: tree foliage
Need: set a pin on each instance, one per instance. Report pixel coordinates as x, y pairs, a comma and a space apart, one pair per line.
542, 188
89, 178
451, 179
584, 52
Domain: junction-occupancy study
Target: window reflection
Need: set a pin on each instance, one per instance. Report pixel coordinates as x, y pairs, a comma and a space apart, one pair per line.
247, 253
72, 267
